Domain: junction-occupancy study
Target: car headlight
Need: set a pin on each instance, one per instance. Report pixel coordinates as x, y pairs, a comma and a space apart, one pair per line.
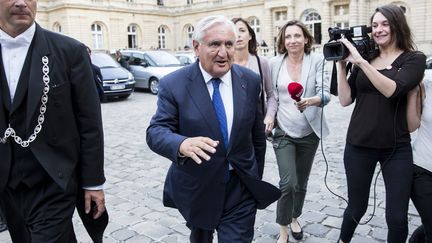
130, 77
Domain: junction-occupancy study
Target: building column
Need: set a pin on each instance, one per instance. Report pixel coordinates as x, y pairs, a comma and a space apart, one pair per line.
326, 21
353, 13
363, 15
176, 37
291, 10
267, 25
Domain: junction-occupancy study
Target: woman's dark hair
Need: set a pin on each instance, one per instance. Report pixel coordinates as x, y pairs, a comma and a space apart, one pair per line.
400, 31
280, 42
252, 44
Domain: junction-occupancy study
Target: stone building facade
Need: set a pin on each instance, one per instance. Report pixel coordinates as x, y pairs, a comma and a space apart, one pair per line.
168, 24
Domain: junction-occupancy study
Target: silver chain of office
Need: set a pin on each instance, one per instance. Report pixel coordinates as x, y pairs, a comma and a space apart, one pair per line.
10, 132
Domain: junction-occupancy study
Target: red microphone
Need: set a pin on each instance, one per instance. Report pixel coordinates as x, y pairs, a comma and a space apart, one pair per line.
295, 89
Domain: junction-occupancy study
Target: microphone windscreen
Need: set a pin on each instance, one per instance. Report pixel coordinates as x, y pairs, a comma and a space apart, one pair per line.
295, 89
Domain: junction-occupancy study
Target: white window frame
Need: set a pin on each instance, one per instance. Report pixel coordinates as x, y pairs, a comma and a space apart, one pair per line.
162, 37
132, 34
97, 35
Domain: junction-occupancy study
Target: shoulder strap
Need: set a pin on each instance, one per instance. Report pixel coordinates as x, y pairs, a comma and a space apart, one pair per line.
333, 81
259, 67
262, 85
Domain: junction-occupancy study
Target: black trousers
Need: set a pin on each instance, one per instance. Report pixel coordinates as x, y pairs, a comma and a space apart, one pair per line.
422, 198
237, 222
3, 226
397, 172
40, 214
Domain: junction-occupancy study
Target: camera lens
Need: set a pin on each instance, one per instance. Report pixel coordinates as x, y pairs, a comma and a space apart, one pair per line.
335, 51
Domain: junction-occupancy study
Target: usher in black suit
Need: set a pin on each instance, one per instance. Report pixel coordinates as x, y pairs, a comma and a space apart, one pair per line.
39, 183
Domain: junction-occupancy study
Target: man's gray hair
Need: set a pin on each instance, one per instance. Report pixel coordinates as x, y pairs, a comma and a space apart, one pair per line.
209, 22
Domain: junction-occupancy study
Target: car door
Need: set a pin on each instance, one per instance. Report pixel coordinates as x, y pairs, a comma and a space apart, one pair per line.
138, 68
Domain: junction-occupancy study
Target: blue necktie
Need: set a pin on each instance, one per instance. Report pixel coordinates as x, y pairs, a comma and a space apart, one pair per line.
220, 110
221, 116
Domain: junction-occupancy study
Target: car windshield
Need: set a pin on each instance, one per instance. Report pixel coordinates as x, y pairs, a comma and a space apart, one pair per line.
163, 59
103, 60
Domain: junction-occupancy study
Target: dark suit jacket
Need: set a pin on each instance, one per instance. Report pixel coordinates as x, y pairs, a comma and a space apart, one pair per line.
185, 110
71, 138
98, 79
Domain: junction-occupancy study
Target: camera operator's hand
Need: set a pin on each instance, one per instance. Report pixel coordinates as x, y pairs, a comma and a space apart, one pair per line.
354, 56
383, 84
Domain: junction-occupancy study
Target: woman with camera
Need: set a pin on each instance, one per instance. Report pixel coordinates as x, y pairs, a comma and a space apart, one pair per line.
299, 125
378, 130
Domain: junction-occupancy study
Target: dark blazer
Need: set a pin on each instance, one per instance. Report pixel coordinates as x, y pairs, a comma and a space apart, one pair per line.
185, 110
71, 138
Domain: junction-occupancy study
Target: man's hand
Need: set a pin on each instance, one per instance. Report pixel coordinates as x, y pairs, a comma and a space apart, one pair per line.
198, 147
98, 197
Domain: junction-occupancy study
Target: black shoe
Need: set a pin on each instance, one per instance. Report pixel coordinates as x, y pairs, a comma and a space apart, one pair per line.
297, 235
3, 227
277, 239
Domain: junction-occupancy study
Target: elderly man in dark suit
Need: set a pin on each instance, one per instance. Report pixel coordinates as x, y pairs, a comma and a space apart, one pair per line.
209, 124
51, 139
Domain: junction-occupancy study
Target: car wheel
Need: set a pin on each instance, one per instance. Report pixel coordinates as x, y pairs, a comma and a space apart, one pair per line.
153, 84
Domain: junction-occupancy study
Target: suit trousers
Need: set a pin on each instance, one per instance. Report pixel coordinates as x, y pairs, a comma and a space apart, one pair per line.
238, 219
294, 157
41, 213
421, 195
3, 226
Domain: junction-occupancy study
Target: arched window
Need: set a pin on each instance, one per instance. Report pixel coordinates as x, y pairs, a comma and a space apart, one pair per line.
255, 25
189, 29
97, 36
57, 27
162, 37
312, 20
132, 36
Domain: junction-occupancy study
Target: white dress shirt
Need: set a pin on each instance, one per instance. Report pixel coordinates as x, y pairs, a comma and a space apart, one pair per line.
14, 52
226, 94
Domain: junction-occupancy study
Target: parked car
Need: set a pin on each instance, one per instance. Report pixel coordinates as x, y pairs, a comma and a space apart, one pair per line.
117, 81
428, 70
148, 67
185, 58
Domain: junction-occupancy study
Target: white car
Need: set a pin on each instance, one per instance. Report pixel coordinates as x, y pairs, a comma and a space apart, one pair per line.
186, 58
148, 67
428, 70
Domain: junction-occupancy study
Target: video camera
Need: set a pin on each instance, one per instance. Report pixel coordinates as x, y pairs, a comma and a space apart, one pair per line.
357, 35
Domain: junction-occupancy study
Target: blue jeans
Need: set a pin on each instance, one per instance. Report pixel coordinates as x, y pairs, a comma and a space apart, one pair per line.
397, 172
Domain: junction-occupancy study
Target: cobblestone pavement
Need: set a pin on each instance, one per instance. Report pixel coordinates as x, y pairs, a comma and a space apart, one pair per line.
135, 177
